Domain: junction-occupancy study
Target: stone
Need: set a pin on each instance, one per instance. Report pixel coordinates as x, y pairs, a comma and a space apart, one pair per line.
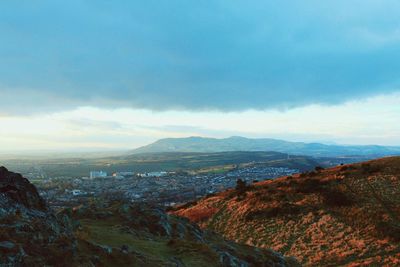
7, 245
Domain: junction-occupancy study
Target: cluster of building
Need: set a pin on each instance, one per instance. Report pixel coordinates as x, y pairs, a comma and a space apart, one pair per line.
165, 188
124, 174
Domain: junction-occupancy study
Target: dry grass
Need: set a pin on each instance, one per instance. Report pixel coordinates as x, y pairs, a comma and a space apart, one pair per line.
347, 215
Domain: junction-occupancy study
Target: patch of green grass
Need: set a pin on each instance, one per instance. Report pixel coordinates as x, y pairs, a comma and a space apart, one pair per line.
107, 233
158, 249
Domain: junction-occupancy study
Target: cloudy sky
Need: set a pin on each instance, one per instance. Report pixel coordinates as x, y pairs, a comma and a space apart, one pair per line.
120, 74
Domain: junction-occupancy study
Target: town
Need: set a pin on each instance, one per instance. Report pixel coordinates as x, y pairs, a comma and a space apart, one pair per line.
161, 188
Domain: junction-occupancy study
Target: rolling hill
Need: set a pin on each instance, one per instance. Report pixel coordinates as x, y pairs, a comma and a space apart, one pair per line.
236, 143
344, 216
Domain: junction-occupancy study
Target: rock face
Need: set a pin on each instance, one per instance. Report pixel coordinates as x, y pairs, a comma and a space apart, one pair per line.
30, 235
155, 221
20, 190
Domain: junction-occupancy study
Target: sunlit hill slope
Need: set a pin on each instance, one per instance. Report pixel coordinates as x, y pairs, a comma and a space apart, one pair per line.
344, 216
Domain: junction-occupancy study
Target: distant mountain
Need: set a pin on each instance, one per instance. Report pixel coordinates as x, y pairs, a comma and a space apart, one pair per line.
344, 216
237, 143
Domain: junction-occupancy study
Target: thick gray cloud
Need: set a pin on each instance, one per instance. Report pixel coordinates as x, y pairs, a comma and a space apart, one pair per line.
170, 54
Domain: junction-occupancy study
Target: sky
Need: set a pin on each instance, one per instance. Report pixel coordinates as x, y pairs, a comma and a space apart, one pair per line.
120, 74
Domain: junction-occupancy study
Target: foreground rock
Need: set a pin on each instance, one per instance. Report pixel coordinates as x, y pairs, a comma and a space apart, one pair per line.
30, 235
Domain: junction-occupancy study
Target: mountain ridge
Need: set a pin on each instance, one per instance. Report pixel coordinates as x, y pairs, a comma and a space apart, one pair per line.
238, 143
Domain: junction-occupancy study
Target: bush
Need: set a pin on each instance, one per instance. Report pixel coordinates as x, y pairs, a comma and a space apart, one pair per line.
241, 189
312, 174
303, 175
292, 183
283, 210
264, 197
211, 195
389, 229
367, 168
344, 168
336, 198
310, 186
319, 168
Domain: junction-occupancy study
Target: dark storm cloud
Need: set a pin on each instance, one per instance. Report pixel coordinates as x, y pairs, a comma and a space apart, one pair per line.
225, 55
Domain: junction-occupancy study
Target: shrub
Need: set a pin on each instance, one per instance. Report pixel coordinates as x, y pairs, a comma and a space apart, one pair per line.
264, 197
271, 212
292, 183
312, 173
303, 175
367, 168
310, 186
210, 195
319, 168
389, 229
336, 198
241, 189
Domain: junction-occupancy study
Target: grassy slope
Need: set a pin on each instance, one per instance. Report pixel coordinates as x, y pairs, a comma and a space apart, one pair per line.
341, 216
150, 249
151, 252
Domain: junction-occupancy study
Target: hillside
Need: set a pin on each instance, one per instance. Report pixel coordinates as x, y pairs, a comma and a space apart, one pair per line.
236, 143
344, 216
109, 234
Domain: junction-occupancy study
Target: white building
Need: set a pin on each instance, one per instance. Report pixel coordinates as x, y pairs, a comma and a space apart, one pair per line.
123, 174
96, 174
77, 192
153, 174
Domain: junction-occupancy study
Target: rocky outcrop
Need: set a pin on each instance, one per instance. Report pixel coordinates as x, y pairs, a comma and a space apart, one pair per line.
155, 221
30, 234
18, 189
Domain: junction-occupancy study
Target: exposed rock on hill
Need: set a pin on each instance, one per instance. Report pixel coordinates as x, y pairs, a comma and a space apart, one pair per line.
20, 190
348, 215
30, 235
